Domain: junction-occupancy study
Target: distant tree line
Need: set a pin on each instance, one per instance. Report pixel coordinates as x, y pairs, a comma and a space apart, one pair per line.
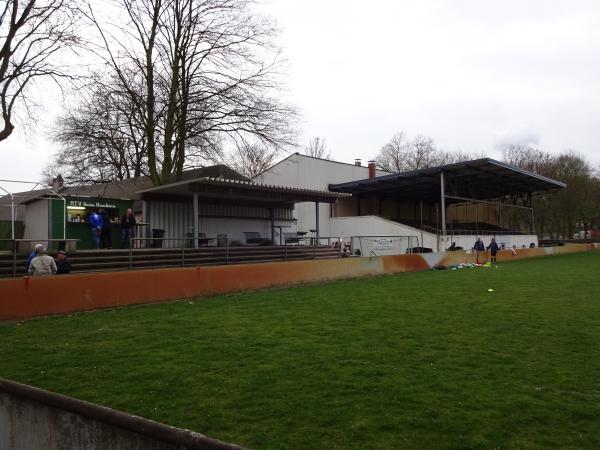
568, 211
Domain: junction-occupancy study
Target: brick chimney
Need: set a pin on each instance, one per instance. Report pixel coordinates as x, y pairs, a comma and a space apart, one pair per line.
372, 168
357, 162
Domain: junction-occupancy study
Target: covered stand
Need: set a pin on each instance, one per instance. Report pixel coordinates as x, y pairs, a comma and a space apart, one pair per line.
226, 206
481, 181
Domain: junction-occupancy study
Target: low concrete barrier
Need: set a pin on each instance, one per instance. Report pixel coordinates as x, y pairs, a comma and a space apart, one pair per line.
32, 419
22, 298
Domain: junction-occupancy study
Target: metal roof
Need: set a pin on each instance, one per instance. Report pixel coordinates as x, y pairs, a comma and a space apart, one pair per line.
239, 192
121, 189
481, 179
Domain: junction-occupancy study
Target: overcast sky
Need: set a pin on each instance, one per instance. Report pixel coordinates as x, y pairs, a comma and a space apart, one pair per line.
472, 74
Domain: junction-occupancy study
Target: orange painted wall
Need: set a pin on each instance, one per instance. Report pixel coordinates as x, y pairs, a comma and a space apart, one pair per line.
22, 298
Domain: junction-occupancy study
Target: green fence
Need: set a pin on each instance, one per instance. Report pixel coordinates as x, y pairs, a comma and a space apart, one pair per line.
5, 232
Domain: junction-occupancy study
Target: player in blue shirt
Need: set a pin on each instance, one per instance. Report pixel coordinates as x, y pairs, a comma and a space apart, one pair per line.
96, 223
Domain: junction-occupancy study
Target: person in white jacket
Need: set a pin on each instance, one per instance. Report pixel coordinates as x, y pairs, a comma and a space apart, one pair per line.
42, 264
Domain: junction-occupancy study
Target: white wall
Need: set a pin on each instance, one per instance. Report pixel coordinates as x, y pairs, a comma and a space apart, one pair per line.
313, 173
37, 220
346, 227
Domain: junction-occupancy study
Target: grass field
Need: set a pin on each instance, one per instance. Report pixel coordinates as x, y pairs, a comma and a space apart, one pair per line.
413, 361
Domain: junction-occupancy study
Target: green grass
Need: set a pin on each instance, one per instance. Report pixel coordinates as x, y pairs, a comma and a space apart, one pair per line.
413, 361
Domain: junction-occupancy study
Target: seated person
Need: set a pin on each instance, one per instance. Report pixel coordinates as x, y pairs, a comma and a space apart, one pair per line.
42, 264
63, 265
32, 255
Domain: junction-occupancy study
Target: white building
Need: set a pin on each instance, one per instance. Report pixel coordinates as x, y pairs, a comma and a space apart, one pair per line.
306, 172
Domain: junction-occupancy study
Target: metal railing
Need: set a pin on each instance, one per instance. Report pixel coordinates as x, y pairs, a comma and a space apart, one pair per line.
188, 249
142, 252
313, 241
188, 243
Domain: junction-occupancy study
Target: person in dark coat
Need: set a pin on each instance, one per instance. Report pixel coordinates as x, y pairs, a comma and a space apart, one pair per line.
63, 264
127, 227
106, 232
493, 248
479, 245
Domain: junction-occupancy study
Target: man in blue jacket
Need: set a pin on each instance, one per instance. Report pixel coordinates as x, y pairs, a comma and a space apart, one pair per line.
32, 255
96, 223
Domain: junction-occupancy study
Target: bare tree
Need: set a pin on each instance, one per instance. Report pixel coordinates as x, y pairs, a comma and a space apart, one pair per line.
317, 148
100, 138
251, 160
401, 154
202, 68
103, 138
391, 157
33, 34
528, 158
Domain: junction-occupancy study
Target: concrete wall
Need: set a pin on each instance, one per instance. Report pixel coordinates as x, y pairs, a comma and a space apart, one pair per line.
22, 298
34, 419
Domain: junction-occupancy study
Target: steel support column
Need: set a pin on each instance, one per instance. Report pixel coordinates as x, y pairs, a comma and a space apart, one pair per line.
195, 212
532, 215
443, 204
317, 222
422, 245
272, 217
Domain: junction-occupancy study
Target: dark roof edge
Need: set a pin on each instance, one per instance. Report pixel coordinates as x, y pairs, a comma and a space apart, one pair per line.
245, 184
439, 169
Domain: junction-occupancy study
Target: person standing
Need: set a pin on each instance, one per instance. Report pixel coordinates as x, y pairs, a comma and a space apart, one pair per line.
106, 232
63, 265
493, 248
479, 246
42, 264
127, 227
96, 223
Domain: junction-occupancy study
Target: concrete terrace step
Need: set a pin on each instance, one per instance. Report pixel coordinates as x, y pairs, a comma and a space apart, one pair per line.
113, 260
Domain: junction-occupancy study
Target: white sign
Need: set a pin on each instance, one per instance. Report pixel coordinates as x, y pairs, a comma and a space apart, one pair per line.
91, 204
383, 244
